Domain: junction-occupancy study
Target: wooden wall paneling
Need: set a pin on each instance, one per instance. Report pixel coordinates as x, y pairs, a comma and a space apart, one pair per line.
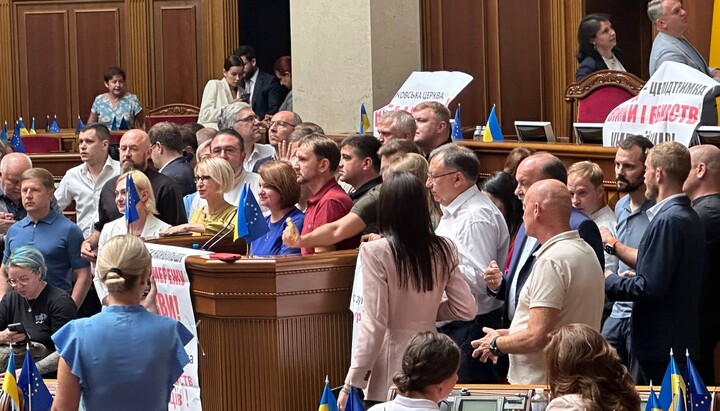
43, 49
220, 36
175, 26
7, 97
700, 14
96, 38
137, 41
492, 33
521, 61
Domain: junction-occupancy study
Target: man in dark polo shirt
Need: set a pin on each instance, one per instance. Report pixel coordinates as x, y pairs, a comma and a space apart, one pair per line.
359, 164
134, 155
316, 159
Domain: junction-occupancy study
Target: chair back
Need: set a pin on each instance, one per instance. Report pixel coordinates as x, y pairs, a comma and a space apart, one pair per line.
41, 144
598, 94
173, 113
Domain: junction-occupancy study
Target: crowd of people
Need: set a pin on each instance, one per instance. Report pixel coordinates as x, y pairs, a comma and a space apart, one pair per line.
463, 280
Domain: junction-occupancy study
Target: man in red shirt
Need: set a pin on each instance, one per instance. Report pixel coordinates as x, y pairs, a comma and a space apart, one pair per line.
315, 162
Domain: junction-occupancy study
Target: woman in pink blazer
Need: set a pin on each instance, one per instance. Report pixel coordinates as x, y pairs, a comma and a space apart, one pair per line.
405, 275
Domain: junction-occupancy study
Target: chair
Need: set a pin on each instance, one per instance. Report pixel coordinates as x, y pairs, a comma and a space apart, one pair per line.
598, 94
42, 144
174, 113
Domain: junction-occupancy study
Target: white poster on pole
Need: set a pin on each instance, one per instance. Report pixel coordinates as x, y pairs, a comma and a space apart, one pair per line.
173, 300
440, 86
356, 305
668, 108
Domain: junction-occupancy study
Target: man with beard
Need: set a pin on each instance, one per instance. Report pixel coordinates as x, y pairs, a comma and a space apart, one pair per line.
669, 274
134, 154
632, 220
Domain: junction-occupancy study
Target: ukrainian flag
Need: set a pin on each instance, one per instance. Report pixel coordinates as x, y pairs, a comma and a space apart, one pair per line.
492, 129
653, 404
364, 120
9, 384
327, 401
672, 390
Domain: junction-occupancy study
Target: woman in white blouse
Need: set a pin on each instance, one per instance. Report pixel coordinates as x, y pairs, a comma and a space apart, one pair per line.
220, 93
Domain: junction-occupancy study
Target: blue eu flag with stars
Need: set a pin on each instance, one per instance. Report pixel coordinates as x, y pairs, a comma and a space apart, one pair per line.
37, 396
16, 141
698, 396
249, 221
133, 198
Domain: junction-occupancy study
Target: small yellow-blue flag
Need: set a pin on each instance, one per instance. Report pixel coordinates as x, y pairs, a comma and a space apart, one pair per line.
364, 120
10, 384
492, 128
327, 401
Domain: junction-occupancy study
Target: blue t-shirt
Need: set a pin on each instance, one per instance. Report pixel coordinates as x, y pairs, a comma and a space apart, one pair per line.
57, 238
271, 243
125, 357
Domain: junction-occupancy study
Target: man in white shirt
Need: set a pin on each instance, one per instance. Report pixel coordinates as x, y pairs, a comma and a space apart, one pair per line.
83, 183
241, 118
478, 229
585, 182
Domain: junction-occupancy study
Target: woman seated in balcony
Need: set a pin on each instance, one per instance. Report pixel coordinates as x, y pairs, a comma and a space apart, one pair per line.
597, 46
37, 306
117, 104
220, 93
213, 178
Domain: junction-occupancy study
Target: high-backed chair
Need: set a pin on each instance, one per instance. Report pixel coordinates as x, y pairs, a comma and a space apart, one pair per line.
598, 94
41, 144
174, 113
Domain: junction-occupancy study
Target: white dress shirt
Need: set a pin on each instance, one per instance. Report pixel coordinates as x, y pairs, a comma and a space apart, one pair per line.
259, 152
78, 185
479, 231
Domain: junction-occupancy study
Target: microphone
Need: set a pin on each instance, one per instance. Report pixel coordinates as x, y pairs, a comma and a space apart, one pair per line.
222, 234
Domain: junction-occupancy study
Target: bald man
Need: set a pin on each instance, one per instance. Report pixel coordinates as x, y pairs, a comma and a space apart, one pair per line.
565, 286
703, 188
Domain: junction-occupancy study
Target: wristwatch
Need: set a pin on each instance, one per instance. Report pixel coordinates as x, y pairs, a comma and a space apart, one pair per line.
610, 246
494, 348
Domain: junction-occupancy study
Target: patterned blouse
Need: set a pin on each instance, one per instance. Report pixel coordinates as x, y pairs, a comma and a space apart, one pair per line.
127, 107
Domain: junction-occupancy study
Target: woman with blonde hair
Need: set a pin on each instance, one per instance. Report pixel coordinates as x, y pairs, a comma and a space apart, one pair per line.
142, 352
585, 372
213, 178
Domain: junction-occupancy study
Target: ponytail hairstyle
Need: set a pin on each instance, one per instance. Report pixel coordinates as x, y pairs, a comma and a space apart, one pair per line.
122, 262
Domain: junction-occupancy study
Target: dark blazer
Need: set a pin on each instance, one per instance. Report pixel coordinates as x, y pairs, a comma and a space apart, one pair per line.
588, 231
591, 64
668, 284
182, 173
267, 95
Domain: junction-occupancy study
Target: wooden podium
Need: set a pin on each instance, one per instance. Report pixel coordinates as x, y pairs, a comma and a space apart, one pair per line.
270, 329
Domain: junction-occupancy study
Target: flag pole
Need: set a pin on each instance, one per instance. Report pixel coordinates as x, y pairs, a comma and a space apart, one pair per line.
29, 387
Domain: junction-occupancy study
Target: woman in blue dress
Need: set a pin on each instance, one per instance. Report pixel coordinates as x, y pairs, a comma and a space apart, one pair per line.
117, 104
125, 357
279, 193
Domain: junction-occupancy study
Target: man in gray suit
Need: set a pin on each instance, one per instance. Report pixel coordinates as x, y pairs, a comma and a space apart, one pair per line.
671, 21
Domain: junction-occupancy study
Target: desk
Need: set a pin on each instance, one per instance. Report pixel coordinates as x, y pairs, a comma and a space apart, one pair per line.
69, 138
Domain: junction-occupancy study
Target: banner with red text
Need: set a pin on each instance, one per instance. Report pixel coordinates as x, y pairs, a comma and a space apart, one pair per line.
357, 307
668, 108
173, 300
440, 86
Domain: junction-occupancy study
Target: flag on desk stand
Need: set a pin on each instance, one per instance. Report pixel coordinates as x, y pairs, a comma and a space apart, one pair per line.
9, 384
32, 127
327, 401
698, 396
354, 403
54, 127
16, 141
131, 201
653, 404
3, 134
492, 128
37, 396
457, 128
673, 386
23, 130
249, 221
47, 123
114, 126
79, 126
124, 125
364, 120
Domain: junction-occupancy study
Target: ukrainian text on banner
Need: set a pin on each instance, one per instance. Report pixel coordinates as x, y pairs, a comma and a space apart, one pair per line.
173, 300
440, 86
356, 305
668, 108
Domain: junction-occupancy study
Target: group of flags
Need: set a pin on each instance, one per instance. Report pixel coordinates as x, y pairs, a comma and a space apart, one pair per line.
329, 403
680, 392
36, 396
492, 126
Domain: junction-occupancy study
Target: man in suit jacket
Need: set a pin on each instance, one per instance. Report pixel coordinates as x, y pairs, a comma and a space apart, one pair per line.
539, 166
668, 282
266, 93
671, 21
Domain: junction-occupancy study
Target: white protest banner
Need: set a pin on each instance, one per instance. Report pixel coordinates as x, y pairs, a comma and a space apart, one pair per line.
356, 305
173, 300
668, 108
440, 86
